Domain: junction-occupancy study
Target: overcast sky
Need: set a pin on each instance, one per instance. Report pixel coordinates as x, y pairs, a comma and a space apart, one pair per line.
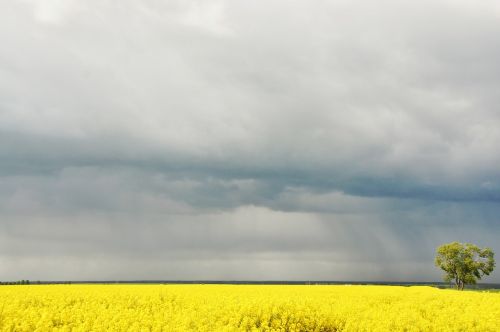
297, 140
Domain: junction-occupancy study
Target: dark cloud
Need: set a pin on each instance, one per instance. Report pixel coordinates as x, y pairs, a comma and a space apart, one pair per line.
224, 139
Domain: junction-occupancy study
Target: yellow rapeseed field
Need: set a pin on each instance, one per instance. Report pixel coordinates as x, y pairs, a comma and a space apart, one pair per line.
245, 308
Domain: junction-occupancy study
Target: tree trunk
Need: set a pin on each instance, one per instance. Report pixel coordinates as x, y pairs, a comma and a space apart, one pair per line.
460, 285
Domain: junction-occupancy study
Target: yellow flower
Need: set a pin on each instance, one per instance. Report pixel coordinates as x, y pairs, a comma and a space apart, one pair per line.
245, 308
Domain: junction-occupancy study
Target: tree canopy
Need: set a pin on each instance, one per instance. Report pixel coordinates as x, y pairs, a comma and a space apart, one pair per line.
464, 263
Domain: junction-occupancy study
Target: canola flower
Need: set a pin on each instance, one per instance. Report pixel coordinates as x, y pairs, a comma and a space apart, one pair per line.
245, 308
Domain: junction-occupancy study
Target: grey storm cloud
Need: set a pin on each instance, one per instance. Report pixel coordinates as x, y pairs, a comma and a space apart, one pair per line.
246, 140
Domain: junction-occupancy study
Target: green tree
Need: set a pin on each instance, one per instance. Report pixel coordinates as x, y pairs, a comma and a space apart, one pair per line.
464, 263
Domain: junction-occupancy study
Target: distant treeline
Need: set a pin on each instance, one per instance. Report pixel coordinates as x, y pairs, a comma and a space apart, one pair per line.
248, 282
38, 282
18, 282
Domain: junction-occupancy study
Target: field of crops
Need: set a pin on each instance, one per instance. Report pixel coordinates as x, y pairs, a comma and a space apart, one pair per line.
245, 307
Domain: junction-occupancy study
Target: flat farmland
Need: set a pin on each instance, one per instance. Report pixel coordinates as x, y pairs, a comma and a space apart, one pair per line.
245, 308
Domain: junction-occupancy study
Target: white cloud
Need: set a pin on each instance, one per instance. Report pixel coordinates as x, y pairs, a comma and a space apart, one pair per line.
53, 12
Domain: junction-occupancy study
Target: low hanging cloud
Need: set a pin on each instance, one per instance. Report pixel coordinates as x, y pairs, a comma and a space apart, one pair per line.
235, 140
